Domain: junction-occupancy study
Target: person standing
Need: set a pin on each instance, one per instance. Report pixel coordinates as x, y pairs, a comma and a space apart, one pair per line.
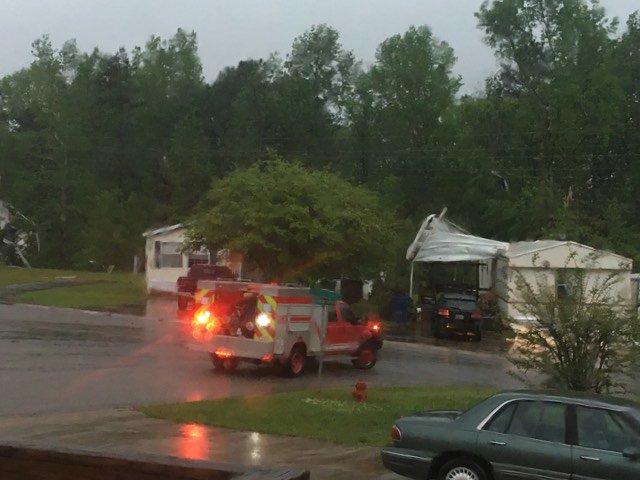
400, 303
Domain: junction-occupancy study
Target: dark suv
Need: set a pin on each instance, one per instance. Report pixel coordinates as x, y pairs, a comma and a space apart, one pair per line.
455, 313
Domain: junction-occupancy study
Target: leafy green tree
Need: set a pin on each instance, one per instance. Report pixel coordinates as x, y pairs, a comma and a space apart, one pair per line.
627, 70
293, 223
187, 167
584, 339
256, 108
236, 115
558, 91
112, 106
110, 234
410, 88
167, 76
49, 181
318, 57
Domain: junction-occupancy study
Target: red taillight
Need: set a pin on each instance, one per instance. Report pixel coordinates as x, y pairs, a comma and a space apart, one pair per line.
224, 354
375, 327
395, 433
476, 315
443, 312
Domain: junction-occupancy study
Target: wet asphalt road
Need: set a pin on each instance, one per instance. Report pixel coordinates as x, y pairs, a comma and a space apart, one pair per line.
60, 360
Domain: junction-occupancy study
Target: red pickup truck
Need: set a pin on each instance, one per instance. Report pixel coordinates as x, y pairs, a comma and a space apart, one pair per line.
187, 286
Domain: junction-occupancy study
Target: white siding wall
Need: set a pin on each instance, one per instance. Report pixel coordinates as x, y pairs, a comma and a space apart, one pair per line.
509, 269
559, 257
163, 279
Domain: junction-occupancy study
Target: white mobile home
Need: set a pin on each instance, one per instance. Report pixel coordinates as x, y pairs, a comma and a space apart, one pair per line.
165, 260
548, 263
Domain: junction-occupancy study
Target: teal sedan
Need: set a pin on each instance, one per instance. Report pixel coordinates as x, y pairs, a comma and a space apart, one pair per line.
521, 435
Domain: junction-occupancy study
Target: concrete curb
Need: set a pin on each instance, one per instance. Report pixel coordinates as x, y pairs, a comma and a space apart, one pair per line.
20, 461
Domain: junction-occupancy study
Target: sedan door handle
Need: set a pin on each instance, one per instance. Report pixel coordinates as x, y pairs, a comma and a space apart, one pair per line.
500, 444
589, 459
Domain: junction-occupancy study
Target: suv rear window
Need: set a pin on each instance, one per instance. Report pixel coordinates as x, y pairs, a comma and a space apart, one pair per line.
461, 304
211, 271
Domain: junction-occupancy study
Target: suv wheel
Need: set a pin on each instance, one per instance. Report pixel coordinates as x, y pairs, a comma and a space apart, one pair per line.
435, 329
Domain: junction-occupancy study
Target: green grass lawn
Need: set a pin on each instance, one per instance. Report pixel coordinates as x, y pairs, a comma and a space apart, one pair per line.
331, 415
105, 289
109, 293
18, 275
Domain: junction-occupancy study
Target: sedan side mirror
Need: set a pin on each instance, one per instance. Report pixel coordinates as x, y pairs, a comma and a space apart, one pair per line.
632, 453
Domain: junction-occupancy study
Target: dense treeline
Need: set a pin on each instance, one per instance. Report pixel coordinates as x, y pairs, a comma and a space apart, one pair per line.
95, 147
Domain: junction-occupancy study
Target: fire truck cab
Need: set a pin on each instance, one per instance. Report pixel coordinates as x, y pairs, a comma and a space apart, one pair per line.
261, 323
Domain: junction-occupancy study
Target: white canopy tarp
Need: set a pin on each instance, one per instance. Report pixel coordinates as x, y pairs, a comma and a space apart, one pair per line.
439, 240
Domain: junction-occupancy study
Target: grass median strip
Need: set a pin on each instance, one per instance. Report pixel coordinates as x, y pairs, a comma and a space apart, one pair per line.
101, 294
331, 415
10, 275
71, 288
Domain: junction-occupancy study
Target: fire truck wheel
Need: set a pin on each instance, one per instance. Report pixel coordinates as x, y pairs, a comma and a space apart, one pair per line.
366, 357
224, 364
297, 359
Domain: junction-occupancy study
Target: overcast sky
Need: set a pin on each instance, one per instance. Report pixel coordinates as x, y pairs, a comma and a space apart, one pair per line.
233, 30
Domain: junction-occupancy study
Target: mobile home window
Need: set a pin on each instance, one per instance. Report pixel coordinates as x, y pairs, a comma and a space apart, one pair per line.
196, 258
567, 280
170, 255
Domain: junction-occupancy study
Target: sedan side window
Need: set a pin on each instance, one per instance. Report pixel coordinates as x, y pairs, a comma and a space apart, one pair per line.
604, 430
539, 420
502, 419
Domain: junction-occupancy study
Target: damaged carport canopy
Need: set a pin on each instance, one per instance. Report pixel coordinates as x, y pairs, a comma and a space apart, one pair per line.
439, 240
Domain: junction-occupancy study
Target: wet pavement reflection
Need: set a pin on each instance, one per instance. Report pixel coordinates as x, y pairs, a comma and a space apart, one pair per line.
193, 443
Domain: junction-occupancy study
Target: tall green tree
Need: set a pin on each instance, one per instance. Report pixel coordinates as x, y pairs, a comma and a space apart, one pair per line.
318, 57
50, 181
558, 89
294, 223
408, 92
627, 70
168, 78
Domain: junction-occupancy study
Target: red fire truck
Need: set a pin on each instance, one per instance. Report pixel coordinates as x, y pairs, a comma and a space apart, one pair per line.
261, 323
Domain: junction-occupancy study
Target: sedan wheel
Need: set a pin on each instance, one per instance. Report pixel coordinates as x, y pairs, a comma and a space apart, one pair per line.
461, 473
462, 470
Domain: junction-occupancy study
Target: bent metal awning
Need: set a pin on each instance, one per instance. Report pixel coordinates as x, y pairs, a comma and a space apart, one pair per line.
439, 240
